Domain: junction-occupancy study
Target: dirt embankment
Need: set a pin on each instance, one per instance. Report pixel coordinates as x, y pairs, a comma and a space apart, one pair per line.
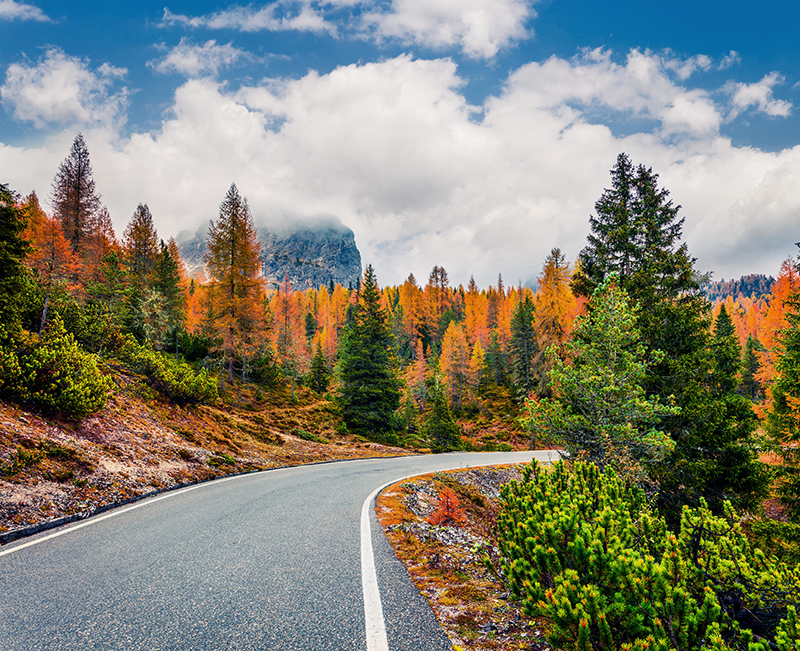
140, 443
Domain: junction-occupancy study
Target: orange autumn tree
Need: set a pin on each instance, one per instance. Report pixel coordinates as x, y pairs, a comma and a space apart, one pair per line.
235, 288
554, 306
51, 255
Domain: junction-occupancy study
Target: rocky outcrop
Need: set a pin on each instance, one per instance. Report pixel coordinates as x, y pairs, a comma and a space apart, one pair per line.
309, 253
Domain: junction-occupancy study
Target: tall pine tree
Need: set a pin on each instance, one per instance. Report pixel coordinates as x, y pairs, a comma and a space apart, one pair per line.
13, 249
74, 196
369, 388
783, 418
235, 287
523, 348
636, 234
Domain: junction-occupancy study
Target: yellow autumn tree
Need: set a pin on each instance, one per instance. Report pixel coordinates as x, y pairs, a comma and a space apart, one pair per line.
454, 363
236, 286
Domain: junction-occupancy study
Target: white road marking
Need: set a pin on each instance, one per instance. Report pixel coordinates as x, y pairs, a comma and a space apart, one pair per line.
373, 607
111, 514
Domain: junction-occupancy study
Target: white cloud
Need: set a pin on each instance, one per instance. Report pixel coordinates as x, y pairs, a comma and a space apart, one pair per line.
394, 150
480, 28
730, 60
282, 15
63, 89
640, 88
759, 96
684, 68
194, 60
11, 10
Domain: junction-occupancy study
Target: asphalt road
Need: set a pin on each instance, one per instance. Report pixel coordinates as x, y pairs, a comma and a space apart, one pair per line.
270, 560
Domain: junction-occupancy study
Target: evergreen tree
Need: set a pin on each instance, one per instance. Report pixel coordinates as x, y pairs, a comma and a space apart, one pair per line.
369, 388
783, 418
523, 347
438, 423
74, 197
319, 376
235, 287
636, 234
140, 242
750, 385
600, 411
13, 249
168, 284
496, 362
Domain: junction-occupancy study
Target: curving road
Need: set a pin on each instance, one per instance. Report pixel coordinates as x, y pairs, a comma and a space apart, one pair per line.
271, 560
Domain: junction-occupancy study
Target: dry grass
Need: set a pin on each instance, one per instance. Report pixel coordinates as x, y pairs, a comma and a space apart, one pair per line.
140, 442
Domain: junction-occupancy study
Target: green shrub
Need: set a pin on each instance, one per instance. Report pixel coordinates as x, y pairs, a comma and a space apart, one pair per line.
54, 372
221, 460
174, 379
582, 551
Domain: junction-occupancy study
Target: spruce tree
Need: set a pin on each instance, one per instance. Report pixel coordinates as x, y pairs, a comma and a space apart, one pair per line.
13, 249
369, 388
438, 423
319, 376
750, 385
167, 283
783, 418
524, 347
636, 233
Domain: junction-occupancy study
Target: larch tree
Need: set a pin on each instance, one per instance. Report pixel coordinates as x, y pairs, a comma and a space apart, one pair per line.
369, 388
783, 417
74, 197
554, 304
235, 287
454, 363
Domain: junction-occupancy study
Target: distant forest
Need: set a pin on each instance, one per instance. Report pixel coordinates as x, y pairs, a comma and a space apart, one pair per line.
751, 286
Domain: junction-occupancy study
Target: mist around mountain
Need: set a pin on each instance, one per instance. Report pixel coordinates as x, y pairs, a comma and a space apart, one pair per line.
310, 252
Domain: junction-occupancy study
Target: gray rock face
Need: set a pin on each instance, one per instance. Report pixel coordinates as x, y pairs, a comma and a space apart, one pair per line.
309, 253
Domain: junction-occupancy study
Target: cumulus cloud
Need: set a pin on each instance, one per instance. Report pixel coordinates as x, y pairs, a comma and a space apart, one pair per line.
684, 68
480, 28
640, 88
730, 60
394, 149
11, 10
59, 88
192, 60
282, 15
759, 96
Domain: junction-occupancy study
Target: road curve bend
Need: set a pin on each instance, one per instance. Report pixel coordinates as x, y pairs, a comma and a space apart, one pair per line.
271, 560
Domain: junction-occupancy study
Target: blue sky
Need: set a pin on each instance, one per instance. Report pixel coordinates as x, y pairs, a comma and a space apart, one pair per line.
471, 134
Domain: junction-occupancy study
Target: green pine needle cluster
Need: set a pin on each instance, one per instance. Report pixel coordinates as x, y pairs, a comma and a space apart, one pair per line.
584, 552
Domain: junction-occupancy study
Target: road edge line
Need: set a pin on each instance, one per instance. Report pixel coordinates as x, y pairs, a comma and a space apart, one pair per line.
375, 625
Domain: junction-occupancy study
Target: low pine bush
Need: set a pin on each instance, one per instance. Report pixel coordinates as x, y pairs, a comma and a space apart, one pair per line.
174, 379
582, 551
53, 372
